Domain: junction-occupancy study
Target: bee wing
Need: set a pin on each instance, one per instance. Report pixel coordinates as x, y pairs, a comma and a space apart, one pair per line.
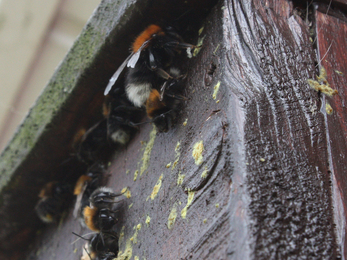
115, 76
133, 60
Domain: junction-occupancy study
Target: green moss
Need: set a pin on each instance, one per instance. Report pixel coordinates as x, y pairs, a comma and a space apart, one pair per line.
53, 98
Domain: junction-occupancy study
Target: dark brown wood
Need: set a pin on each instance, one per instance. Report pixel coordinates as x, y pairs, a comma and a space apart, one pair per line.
332, 35
262, 188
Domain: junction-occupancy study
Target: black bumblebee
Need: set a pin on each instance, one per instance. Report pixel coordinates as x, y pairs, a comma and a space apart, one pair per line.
152, 54
92, 145
54, 198
122, 119
100, 216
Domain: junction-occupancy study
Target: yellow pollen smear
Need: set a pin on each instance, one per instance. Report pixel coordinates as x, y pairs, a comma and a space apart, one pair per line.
148, 220
156, 187
128, 252
148, 150
190, 200
135, 174
329, 109
215, 90
204, 173
126, 192
177, 156
172, 217
322, 84
134, 237
180, 178
197, 152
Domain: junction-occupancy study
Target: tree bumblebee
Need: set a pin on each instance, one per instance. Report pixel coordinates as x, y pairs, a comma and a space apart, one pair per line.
99, 216
162, 108
85, 186
152, 54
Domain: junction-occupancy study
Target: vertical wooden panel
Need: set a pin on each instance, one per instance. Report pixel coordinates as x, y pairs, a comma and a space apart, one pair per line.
332, 44
270, 59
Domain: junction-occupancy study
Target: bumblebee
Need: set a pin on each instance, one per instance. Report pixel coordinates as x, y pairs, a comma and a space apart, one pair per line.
54, 199
100, 247
93, 145
99, 216
122, 119
152, 54
85, 186
162, 108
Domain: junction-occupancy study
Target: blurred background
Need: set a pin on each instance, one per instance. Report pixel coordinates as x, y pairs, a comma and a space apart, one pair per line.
35, 35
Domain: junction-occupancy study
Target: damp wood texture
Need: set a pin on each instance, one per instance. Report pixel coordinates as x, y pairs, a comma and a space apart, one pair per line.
254, 167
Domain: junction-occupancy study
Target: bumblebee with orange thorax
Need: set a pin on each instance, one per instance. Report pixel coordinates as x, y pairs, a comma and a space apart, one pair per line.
85, 186
100, 216
152, 54
162, 108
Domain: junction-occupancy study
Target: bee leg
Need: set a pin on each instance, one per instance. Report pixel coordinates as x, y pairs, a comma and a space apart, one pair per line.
179, 97
162, 91
163, 74
181, 45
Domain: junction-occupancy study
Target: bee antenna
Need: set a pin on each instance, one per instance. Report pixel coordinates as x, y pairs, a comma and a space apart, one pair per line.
80, 237
186, 12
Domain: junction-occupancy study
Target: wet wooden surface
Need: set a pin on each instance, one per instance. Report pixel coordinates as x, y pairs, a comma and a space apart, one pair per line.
331, 38
263, 188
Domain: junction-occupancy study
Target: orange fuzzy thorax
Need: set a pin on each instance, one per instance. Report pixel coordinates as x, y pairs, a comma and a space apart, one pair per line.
146, 35
80, 183
153, 103
89, 215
